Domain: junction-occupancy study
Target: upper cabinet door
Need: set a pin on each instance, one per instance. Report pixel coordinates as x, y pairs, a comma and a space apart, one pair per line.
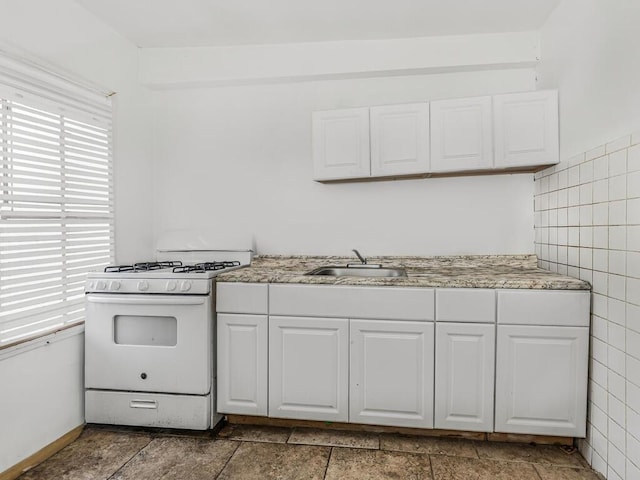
341, 144
526, 129
461, 134
399, 139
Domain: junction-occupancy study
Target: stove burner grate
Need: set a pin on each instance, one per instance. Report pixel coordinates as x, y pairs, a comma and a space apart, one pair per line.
141, 267
205, 267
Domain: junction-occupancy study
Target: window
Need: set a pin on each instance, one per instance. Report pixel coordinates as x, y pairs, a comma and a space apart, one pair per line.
56, 198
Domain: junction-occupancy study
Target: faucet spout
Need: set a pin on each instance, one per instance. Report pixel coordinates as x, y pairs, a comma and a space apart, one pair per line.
360, 257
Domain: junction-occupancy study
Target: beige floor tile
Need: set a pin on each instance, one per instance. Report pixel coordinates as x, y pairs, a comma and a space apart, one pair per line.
360, 464
95, 455
542, 454
431, 445
184, 458
255, 433
461, 468
334, 438
266, 461
563, 473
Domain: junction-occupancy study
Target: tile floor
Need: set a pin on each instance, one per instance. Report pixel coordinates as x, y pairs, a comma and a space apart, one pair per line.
264, 453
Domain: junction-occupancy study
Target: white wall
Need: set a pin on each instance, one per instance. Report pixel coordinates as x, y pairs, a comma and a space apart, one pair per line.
588, 208
65, 35
42, 394
241, 156
589, 51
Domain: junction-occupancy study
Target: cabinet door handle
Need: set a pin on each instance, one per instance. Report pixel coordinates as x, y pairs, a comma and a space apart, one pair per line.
152, 404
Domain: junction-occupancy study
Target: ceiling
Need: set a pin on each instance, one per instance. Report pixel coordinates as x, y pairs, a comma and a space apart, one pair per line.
183, 23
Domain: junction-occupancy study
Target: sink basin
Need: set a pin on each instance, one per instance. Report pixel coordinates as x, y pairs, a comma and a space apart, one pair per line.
359, 271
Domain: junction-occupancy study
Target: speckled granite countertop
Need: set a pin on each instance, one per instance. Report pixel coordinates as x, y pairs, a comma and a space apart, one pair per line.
493, 271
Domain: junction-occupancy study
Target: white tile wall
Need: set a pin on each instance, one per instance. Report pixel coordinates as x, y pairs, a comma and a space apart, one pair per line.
587, 224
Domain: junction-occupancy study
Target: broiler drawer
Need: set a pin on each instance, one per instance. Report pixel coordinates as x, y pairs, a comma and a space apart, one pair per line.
192, 412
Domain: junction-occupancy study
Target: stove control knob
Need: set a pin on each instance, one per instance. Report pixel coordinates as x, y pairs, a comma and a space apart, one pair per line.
143, 286
171, 286
101, 286
114, 285
185, 286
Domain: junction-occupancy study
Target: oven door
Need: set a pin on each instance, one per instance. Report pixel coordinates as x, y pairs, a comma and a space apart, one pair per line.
149, 343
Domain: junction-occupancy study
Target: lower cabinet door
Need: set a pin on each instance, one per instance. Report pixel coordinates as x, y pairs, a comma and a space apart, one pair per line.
242, 364
309, 368
391, 373
465, 355
541, 380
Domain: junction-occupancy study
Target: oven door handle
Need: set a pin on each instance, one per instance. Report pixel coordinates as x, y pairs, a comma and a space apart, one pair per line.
147, 300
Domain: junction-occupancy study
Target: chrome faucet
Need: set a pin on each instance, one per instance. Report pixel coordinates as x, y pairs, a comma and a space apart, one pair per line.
360, 257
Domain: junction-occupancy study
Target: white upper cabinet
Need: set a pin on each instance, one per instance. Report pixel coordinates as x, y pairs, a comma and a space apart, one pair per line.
399, 139
526, 129
341, 144
512, 131
461, 134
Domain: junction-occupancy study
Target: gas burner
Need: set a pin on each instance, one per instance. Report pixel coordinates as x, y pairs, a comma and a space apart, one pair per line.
141, 267
205, 267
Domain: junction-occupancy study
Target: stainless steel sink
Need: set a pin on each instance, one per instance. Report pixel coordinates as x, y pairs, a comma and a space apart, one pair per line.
358, 271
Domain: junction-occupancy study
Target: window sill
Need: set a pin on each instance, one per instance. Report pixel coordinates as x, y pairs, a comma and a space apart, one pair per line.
43, 338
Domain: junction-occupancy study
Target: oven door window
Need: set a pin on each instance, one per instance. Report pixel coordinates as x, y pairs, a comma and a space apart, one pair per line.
145, 330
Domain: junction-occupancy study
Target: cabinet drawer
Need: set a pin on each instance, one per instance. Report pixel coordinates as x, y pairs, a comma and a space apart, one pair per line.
242, 297
382, 303
465, 305
544, 307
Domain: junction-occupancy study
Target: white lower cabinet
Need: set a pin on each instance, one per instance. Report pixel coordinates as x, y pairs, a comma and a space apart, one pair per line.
464, 376
391, 373
541, 380
242, 364
309, 368
509, 361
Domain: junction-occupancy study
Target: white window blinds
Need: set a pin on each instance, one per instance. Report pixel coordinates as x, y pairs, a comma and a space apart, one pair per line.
56, 198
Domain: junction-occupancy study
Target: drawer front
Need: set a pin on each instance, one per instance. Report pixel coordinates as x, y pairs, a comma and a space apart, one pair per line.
148, 409
544, 307
473, 305
242, 297
381, 303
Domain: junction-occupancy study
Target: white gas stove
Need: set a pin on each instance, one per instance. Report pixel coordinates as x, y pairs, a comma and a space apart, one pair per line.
150, 339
